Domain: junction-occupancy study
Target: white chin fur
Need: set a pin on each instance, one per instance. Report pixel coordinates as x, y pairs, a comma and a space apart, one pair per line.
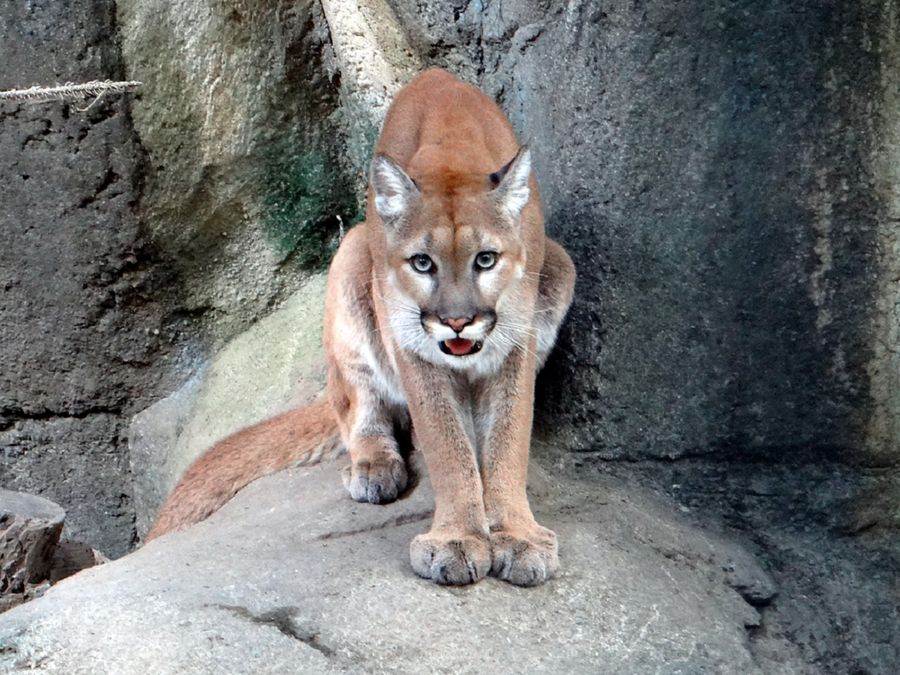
406, 326
485, 362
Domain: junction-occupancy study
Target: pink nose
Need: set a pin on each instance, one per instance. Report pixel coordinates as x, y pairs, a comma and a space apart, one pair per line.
458, 324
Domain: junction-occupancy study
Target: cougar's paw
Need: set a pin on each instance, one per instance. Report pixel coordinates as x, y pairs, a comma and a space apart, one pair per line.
377, 479
524, 557
448, 559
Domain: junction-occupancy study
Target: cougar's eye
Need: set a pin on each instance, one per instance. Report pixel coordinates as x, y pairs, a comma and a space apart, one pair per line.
422, 263
485, 260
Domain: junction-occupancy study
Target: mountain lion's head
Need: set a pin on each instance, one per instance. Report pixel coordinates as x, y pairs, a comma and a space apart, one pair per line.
456, 260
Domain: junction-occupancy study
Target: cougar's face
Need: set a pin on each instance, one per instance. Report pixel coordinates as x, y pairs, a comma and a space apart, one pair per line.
455, 266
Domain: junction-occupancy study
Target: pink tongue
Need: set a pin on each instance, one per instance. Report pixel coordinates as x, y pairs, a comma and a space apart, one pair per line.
459, 346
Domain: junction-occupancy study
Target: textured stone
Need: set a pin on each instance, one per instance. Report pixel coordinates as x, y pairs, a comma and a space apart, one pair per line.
374, 59
79, 463
29, 531
237, 114
812, 526
724, 174
70, 557
31, 555
717, 309
276, 364
79, 291
294, 575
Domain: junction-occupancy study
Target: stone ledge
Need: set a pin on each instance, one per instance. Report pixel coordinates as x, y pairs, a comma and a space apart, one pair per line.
292, 575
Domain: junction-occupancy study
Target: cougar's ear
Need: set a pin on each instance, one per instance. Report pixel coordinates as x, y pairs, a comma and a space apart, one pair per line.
511, 183
394, 190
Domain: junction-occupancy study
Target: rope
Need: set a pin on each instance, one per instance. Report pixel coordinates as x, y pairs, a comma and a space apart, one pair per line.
69, 92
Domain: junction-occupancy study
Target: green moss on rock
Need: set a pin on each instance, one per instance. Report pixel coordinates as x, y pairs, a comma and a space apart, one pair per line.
306, 200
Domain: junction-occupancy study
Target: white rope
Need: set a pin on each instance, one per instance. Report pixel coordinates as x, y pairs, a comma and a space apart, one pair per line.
69, 92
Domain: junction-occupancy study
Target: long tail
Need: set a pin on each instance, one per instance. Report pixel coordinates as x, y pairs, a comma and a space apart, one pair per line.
300, 436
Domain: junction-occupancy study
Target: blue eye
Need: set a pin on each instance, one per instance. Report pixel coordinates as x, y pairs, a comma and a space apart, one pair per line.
422, 263
485, 260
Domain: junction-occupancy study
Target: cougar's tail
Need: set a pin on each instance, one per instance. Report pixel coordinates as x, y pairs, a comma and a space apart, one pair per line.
300, 436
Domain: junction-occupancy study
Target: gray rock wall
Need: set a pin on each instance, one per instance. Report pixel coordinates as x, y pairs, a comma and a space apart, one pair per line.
239, 116
141, 235
712, 168
79, 288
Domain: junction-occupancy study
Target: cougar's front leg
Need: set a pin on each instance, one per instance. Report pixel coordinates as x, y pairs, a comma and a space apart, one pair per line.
457, 549
363, 394
377, 472
524, 552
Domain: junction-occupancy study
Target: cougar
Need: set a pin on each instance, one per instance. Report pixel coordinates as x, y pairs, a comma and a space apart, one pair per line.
440, 309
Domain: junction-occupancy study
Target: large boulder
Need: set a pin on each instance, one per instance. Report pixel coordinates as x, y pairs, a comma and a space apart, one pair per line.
29, 532
293, 575
238, 114
31, 555
276, 364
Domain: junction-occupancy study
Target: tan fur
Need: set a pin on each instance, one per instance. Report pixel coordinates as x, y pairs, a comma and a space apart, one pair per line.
449, 181
295, 437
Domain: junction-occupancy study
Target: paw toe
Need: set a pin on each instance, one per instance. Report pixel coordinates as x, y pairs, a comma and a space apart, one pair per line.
450, 561
524, 561
376, 481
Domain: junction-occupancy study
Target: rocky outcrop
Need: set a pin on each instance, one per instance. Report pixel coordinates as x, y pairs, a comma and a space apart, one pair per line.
718, 172
29, 532
31, 554
277, 364
724, 174
294, 575
81, 290
239, 115
664, 567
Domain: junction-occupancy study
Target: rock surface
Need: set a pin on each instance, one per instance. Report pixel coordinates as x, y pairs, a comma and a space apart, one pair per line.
725, 176
817, 529
80, 289
31, 555
29, 531
276, 364
239, 118
70, 557
294, 575
736, 242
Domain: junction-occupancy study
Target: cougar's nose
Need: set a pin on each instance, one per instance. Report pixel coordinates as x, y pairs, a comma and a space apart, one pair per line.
459, 323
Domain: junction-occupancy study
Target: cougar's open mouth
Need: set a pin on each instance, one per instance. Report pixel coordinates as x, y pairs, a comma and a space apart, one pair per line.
460, 347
